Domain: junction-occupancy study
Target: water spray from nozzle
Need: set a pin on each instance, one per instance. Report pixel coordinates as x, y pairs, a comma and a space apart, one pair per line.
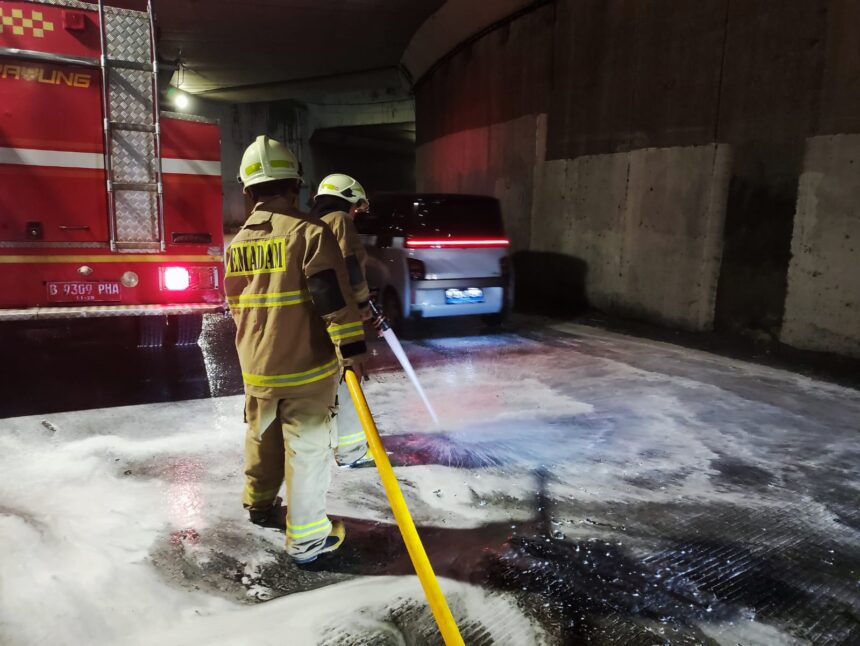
381, 323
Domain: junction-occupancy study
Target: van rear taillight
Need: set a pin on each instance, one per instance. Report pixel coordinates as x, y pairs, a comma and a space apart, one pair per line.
425, 243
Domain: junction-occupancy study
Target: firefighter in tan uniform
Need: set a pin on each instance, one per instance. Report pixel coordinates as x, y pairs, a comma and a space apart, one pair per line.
339, 198
297, 328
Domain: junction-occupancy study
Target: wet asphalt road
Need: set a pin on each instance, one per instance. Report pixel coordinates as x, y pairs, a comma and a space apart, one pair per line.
757, 542
97, 364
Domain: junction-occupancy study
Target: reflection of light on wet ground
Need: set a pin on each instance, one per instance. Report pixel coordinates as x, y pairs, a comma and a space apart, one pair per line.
526, 442
482, 343
185, 494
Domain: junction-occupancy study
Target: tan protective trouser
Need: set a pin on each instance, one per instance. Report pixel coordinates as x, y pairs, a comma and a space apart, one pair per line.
292, 440
351, 441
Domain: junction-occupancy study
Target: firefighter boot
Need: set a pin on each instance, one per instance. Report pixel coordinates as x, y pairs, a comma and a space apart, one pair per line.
365, 460
329, 544
274, 516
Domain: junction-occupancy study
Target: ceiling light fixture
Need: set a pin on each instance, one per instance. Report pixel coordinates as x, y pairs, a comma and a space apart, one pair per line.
181, 100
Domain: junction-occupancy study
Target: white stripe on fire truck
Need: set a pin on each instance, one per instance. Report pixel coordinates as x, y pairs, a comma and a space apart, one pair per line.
96, 161
56, 158
190, 167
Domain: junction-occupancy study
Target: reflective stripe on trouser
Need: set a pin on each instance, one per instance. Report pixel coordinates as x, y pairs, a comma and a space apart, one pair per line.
351, 441
292, 439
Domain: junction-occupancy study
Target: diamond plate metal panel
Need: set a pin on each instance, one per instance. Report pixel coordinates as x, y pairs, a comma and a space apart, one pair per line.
90, 311
71, 4
128, 36
136, 216
131, 96
133, 157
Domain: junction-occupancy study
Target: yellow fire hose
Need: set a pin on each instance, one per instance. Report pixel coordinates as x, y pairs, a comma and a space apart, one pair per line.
444, 618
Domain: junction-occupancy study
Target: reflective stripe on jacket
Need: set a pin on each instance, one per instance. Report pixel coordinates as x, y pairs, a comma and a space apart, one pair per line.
288, 289
353, 253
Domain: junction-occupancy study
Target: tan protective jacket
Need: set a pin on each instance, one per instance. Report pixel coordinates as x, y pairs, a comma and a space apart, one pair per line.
353, 253
288, 290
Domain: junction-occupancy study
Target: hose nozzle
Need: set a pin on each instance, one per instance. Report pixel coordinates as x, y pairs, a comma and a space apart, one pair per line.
379, 321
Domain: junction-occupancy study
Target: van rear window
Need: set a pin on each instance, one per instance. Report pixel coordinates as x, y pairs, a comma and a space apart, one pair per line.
432, 216
448, 216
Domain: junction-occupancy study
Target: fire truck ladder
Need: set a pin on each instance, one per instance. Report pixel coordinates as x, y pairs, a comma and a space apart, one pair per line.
131, 129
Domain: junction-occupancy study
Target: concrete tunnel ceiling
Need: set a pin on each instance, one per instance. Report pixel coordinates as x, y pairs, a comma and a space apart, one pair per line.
265, 50
262, 50
355, 61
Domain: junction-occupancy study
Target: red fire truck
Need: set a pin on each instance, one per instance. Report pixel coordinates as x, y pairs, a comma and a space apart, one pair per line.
107, 207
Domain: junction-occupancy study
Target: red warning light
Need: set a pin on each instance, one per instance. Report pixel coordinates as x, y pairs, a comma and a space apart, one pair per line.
176, 279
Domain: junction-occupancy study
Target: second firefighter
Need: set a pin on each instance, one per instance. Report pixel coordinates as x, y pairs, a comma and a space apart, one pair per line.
339, 197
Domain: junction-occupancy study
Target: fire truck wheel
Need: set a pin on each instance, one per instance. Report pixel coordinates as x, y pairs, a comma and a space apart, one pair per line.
185, 329
151, 331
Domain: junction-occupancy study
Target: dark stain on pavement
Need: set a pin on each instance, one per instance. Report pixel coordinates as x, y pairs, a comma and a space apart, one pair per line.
738, 473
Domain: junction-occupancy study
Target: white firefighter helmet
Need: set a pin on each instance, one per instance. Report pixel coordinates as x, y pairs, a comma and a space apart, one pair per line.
342, 186
267, 160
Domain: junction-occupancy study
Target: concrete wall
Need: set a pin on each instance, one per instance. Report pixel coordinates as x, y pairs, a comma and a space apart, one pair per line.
454, 22
666, 149
382, 158
480, 115
629, 216
493, 160
240, 124
293, 123
823, 307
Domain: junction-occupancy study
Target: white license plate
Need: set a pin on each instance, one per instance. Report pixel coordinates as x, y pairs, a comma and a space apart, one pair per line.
468, 295
83, 292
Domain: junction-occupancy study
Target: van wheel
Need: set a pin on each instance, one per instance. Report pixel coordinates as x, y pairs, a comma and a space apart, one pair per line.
494, 321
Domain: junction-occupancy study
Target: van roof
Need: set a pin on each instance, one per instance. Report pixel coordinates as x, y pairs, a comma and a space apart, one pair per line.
467, 196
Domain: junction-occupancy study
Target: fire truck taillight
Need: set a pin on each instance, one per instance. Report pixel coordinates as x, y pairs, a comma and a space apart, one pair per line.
181, 279
176, 279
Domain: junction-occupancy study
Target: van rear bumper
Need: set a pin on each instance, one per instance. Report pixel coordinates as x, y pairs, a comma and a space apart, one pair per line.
430, 303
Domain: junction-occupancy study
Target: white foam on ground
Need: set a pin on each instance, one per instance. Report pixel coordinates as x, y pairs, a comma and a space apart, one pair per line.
348, 611
749, 633
76, 532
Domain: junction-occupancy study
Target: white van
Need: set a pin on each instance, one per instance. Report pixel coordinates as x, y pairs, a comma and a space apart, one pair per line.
434, 255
